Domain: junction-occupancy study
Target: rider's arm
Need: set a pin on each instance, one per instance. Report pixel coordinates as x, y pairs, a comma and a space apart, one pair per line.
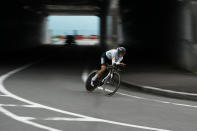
116, 62
113, 61
119, 61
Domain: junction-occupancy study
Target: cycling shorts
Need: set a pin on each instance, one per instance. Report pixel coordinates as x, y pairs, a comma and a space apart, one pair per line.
104, 60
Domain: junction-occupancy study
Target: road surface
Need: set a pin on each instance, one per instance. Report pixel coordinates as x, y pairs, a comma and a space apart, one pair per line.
49, 94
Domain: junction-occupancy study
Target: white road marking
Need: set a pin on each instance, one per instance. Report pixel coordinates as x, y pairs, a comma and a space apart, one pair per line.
4, 95
27, 121
153, 100
159, 101
164, 90
31, 106
100, 120
8, 105
72, 119
27, 118
12, 105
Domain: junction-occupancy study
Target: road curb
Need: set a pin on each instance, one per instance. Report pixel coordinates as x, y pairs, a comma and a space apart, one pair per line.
159, 91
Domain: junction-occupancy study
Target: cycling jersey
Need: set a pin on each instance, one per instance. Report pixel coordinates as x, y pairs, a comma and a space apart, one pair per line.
111, 55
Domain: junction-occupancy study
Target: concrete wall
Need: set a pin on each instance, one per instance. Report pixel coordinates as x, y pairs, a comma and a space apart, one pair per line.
148, 29
186, 47
161, 31
113, 36
22, 28
46, 32
194, 19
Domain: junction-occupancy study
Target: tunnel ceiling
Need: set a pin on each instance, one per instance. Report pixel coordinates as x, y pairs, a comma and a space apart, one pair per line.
64, 7
72, 10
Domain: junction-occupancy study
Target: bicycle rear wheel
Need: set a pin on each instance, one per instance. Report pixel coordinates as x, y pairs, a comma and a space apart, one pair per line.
112, 84
88, 82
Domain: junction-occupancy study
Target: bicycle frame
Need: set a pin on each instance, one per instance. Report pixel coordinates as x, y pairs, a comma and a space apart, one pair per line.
110, 74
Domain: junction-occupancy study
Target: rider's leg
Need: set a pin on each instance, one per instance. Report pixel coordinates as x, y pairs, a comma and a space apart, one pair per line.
103, 68
98, 74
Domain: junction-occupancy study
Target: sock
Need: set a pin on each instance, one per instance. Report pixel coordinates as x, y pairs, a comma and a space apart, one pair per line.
94, 78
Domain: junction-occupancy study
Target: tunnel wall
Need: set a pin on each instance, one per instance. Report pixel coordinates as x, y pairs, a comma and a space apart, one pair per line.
112, 29
21, 28
147, 29
160, 32
113, 25
194, 19
186, 46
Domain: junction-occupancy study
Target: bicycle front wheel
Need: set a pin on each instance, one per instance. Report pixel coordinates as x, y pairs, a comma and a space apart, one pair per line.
112, 84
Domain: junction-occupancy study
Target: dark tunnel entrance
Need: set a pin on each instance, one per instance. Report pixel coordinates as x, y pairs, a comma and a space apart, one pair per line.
151, 29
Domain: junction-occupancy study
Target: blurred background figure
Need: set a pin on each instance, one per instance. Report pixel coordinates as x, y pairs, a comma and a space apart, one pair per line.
70, 39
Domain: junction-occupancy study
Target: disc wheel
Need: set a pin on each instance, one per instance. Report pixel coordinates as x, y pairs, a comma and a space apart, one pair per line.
88, 82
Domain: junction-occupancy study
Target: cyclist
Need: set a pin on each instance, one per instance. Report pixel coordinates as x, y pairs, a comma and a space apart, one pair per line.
114, 57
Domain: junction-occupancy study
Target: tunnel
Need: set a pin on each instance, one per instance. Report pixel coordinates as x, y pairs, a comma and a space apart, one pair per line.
160, 31
150, 28
153, 31
157, 29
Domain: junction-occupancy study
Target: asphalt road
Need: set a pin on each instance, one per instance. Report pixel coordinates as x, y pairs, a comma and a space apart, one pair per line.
50, 95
